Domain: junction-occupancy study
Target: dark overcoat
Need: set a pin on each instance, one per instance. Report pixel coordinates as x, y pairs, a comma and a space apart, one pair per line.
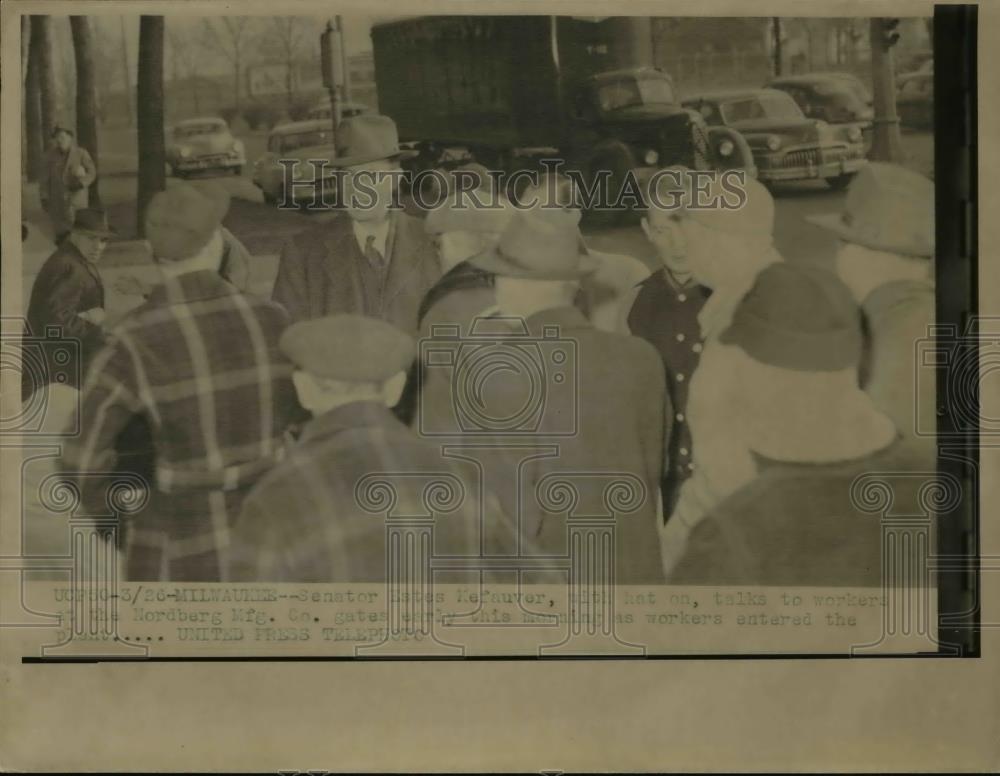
323, 271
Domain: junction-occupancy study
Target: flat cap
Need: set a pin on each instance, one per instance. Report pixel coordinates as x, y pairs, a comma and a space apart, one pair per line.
353, 348
181, 220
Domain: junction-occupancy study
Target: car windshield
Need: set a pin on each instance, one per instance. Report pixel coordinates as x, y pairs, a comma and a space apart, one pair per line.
295, 140
190, 130
765, 106
626, 92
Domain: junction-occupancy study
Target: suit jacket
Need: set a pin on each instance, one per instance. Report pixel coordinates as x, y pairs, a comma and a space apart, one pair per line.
323, 271
66, 285
602, 409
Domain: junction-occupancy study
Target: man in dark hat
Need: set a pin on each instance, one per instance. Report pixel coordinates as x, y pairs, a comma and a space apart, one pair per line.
373, 259
308, 520
69, 170
68, 295
200, 362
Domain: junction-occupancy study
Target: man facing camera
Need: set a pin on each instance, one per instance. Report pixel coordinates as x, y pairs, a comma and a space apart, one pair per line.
309, 520
373, 259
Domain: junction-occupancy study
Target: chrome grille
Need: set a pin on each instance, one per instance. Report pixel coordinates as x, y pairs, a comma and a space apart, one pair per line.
801, 158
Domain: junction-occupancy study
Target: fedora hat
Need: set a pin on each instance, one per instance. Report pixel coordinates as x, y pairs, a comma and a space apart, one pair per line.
539, 244
92, 221
367, 138
887, 208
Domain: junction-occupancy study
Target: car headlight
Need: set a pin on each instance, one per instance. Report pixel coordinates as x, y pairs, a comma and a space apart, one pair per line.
773, 142
185, 151
725, 147
651, 157
236, 147
853, 133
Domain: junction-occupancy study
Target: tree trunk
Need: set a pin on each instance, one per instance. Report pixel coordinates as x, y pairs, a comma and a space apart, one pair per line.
86, 95
34, 144
149, 102
236, 81
41, 43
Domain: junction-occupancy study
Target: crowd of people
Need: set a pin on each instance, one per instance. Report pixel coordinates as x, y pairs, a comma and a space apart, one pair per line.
738, 394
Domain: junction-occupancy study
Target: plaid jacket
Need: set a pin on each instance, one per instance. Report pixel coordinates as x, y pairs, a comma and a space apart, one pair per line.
357, 473
200, 362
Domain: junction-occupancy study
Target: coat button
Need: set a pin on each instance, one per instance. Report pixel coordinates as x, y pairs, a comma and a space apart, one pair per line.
680, 417
682, 297
680, 337
683, 451
691, 466
696, 347
680, 378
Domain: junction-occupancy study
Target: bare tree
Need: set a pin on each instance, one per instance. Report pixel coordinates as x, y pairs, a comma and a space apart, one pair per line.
284, 38
32, 109
185, 60
231, 35
149, 99
41, 50
86, 92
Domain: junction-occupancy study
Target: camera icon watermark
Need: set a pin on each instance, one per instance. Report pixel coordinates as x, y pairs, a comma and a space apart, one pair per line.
47, 368
970, 360
503, 380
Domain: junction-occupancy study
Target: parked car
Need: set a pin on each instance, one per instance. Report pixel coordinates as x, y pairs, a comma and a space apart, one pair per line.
204, 144
915, 101
322, 110
836, 98
786, 145
298, 141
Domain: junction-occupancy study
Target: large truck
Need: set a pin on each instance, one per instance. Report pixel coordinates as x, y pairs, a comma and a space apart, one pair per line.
508, 91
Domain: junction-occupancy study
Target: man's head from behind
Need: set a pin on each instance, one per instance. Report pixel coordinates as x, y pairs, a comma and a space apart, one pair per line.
183, 225
343, 359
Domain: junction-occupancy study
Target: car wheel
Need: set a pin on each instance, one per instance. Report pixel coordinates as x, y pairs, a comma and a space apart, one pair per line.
840, 182
238, 169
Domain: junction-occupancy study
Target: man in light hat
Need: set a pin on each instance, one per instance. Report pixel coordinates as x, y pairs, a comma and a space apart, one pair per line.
795, 344
604, 400
68, 295
605, 292
306, 521
199, 362
373, 259
63, 189
885, 258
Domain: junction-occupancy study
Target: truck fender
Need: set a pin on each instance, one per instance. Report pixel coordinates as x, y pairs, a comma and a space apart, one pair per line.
739, 158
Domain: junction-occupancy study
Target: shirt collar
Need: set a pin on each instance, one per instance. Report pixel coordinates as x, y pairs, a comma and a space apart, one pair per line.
362, 229
191, 286
357, 414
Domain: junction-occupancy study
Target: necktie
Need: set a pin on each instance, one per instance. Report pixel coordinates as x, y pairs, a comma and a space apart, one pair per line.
372, 253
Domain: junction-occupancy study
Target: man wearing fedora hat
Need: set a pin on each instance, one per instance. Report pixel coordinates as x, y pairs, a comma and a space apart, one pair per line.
885, 257
308, 519
614, 403
68, 294
373, 259
69, 170
199, 362
793, 347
